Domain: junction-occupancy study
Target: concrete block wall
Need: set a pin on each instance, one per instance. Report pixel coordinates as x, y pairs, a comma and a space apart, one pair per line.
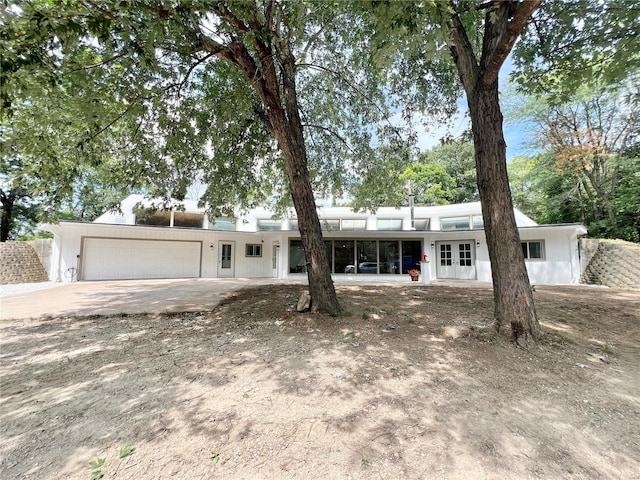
19, 263
613, 263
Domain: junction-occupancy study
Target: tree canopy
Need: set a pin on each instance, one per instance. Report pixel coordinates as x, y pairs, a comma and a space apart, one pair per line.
442, 175
237, 95
572, 42
588, 168
457, 158
157, 76
53, 163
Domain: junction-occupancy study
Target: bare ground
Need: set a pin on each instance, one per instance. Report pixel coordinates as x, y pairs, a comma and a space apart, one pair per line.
411, 383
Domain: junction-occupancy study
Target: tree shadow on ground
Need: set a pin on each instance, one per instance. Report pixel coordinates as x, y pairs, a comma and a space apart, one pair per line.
411, 383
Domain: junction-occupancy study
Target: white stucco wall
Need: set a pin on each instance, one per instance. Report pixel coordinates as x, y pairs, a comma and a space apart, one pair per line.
248, 221
67, 247
560, 265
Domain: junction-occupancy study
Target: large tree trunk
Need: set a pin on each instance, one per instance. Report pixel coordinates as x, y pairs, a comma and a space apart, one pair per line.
512, 292
287, 129
503, 23
323, 294
274, 82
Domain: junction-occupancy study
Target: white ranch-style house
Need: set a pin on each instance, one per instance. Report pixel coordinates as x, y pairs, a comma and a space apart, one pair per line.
184, 243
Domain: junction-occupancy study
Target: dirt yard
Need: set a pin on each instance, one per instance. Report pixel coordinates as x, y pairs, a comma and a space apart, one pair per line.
411, 383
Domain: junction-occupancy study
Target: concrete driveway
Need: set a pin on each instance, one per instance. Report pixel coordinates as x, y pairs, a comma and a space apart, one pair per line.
151, 296
126, 296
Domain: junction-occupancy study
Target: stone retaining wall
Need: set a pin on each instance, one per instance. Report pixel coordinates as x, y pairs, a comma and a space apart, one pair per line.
19, 263
613, 263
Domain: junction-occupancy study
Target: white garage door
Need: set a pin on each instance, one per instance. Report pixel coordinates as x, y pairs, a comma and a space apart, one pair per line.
113, 258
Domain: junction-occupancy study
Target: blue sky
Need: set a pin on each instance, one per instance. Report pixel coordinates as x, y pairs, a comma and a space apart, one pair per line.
516, 136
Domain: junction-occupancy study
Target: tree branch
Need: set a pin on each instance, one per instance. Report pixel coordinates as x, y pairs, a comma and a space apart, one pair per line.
357, 90
268, 15
263, 77
332, 132
99, 64
222, 10
111, 123
103, 11
485, 5
207, 44
461, 48
521, 14
192, 68
312, 38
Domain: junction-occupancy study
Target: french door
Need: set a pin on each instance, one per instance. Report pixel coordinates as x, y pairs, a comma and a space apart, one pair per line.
456, 260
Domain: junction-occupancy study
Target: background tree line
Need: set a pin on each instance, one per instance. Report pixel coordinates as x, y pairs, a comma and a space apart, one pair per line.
588, 168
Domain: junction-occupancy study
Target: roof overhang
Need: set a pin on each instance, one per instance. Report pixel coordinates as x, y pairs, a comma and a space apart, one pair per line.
574, 228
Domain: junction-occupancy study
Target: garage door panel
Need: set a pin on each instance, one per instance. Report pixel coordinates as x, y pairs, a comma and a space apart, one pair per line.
113, 259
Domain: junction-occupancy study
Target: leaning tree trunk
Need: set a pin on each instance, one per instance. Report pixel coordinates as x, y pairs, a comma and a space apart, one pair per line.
283, 114
276, 88
513, 296
321, 288
288, 132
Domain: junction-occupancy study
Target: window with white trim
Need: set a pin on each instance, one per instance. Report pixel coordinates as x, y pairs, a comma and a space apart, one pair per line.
422, 223
371, 257
389, 224
188, 219
269, 225
474, 222
533, 250
349, 224
477, 222
455, 223
330, 224
152, 217
253, 250
222, 224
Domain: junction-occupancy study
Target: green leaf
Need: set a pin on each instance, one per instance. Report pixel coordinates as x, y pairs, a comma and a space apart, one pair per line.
96, 464
126, 450
97, 475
